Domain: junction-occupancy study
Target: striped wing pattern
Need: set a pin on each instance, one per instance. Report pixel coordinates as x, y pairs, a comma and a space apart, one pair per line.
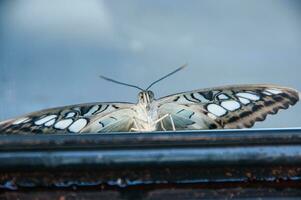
214, 108
74, 119
225, 107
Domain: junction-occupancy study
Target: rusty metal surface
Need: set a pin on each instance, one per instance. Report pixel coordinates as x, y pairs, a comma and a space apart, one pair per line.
145, 176
160, 194
193, 165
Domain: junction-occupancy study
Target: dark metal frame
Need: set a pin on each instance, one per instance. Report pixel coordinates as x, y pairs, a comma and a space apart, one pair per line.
266, 158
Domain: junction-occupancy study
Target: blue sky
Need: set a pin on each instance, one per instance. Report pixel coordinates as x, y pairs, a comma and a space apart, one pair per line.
53, 51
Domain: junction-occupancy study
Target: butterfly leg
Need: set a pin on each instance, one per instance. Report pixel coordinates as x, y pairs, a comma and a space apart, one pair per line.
172, 122
162, 125
134, 130
136, 125
161, 122
160, 119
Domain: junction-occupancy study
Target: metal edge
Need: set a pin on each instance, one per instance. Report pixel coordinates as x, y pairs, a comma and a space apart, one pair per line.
208, 138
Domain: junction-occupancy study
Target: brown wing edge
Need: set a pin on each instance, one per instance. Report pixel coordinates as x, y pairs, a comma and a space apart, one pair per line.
268, 105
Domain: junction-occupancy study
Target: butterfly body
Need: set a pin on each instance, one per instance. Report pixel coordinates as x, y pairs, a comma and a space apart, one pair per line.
145, 112
237, 106
145, 118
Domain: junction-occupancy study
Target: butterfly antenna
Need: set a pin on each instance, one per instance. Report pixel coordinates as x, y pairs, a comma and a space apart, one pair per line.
121, 83
167, 75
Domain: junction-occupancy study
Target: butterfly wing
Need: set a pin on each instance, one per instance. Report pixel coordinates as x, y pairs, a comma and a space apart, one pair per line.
222, 107
237, 106
93, 117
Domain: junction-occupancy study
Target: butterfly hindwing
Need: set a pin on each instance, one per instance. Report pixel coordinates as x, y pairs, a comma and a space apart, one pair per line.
73, 119
185, 117
228, 107
120, 120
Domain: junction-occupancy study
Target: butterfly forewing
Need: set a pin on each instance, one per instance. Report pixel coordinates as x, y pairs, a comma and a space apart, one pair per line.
226, 107
73, 119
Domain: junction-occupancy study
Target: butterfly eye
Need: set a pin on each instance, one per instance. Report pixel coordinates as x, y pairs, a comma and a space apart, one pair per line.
140, 95
151, 94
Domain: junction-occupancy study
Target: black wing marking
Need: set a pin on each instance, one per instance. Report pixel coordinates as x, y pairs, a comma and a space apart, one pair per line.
233, 106
65, 119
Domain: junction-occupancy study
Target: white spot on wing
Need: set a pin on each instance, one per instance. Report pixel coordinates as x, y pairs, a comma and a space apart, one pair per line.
248, 96
274, 91
92, 110
216, 110
230, 105
244, 100
62, 124
267, 93
78, 125
70, 114
182, 100
21, 120
49, 123
44, 119
222, 96
200, 97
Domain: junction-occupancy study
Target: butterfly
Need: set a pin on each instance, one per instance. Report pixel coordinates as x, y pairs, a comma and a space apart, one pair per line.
236, 106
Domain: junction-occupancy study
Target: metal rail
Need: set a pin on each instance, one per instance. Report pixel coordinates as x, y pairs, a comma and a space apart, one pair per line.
161, 165
227, 147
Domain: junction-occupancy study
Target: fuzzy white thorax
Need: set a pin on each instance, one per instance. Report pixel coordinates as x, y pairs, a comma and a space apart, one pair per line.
147, 112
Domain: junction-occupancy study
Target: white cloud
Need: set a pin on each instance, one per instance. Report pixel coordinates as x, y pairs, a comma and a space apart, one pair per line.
70, 18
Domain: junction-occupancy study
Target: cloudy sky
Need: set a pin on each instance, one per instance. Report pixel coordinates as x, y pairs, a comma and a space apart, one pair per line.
52, 52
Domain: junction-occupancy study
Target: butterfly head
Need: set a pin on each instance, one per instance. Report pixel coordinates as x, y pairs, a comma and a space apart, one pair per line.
146, 97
